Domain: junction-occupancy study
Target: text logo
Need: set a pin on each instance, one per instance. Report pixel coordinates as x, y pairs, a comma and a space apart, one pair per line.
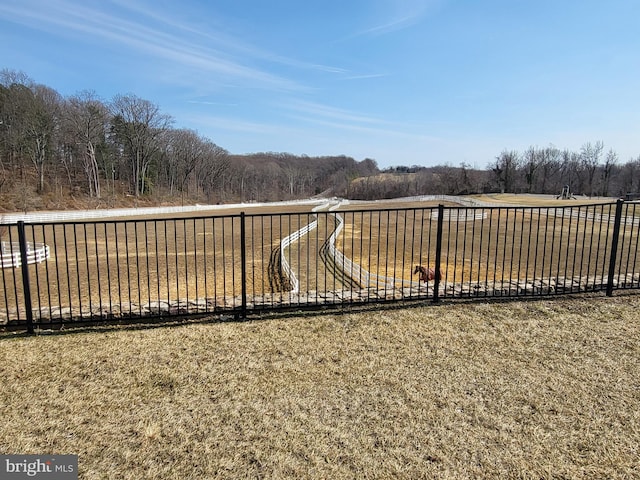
49, 467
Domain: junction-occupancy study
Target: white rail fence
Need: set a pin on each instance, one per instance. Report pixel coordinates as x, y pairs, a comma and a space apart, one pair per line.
102, 214
350, 268
358, 273
10, 254
461, 215
294, 237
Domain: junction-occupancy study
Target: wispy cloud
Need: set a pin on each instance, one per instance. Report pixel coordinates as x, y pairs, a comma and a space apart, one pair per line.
317, 110
326, 68
230, 124
392, 26
398, 15
225, 42
341, 119
363, 77
165, 44
374, 131
307, 119
202, 102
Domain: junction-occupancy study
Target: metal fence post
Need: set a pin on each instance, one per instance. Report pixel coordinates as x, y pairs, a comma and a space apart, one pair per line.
26, 285
614, 247
243, 264
436, 281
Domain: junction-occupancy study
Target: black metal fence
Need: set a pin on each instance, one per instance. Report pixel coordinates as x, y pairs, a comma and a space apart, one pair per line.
241, 264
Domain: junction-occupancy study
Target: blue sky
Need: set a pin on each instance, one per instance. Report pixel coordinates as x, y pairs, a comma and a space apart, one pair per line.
406, 82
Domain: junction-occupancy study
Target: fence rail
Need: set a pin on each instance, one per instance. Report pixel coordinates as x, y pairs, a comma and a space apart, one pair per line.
331, 255
10, 255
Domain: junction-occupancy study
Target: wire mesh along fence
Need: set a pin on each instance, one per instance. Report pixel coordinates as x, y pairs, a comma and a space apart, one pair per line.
241, 263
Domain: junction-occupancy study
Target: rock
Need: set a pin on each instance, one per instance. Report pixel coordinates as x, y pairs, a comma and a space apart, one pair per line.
156, 307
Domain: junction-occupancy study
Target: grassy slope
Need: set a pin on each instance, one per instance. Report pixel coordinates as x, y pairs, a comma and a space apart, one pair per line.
516, 390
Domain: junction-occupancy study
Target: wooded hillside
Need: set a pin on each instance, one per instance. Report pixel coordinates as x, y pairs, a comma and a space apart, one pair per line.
58, 152
81, 151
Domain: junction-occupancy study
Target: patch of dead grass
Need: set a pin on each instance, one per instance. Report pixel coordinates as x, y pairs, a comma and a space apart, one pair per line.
545, 389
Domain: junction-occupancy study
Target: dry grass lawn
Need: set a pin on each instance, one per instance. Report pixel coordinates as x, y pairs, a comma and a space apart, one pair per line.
544, 389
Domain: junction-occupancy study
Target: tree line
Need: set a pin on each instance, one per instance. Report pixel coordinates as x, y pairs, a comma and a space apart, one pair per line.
80, 146
56, 149
590, 171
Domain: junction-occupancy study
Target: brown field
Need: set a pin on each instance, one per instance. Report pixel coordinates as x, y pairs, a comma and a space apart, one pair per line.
99, 264
539, 200
544, 389
96, 264
506, 244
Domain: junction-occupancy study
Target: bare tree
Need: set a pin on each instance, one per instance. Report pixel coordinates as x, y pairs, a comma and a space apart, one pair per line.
630, 177
139, 126
28, 118
571, 170
505, 168
212, 167
531, 162
16, 98
85, 118
42, 121
183, 150
610, 163
549, 167
590, 159
295, 178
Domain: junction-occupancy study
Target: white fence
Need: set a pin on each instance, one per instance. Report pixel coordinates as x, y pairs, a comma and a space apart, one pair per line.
100, 214
10, 254
358, 273
294, 237
355, 271
461, 215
